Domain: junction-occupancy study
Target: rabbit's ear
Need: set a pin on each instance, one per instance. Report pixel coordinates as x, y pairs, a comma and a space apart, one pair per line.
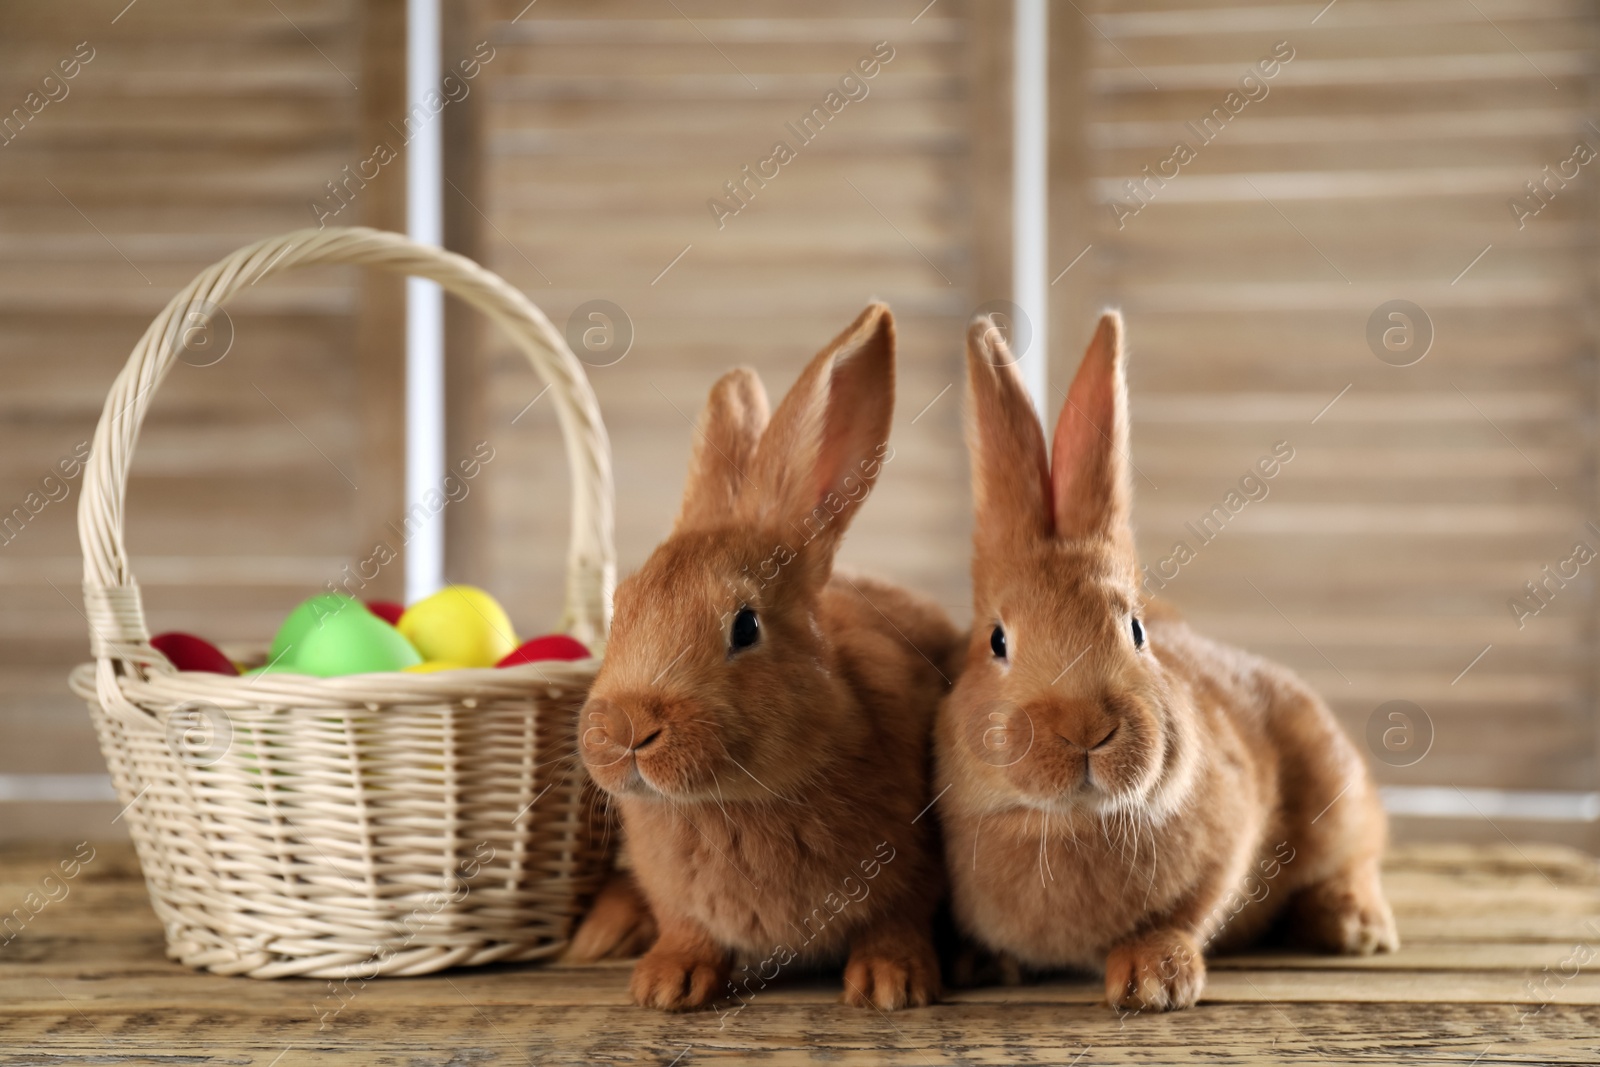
724, 449
1089, 462
1010, 475
828, 438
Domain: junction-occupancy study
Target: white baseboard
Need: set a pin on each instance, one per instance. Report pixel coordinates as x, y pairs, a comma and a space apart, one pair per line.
1451, 802
1442, 802
62, 787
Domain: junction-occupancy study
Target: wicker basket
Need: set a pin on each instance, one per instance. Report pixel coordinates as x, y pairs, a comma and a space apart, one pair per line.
350, 827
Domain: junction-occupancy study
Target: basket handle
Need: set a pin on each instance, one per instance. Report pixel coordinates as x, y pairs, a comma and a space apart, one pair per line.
117, 628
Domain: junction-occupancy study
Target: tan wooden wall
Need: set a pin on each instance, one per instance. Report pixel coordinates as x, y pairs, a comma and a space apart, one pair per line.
1376, 167
1377, 164
610, 127
193, 129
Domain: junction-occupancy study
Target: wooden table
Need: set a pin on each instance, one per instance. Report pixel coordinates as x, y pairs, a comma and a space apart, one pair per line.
1501, 965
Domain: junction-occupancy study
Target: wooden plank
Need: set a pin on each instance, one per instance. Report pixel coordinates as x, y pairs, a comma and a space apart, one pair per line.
1075, 215
380, 342
989, 163
464, 28
1042, 1034
1478, 990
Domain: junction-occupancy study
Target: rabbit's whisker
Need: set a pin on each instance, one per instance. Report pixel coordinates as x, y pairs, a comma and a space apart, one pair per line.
762, 784
728, 818
1133, 865
746, 770
1155, 854
1044, 855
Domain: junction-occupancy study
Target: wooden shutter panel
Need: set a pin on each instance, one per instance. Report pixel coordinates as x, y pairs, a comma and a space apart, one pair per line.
1378, 166
610, 127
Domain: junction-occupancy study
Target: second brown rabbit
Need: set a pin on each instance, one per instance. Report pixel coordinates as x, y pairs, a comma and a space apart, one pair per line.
1124, 794
761, 723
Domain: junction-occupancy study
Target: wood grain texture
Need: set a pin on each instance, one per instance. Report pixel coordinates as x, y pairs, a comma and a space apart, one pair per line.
1376, 164
464, 28
1416, 507
192, 131
1486, 976
609, 127
380, 351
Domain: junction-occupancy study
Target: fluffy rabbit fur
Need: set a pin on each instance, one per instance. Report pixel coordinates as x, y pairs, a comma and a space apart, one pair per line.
769, 775
1124, 793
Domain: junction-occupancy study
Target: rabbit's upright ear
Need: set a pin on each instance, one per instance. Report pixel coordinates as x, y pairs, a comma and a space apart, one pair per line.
724, 449
1010, 474
1089, 462
828, 438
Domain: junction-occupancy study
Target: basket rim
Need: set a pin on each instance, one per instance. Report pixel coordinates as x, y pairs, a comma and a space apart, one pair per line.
466, 686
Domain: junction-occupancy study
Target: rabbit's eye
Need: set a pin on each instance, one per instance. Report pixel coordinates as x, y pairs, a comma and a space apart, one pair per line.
997, 642
1138, 633
746, 629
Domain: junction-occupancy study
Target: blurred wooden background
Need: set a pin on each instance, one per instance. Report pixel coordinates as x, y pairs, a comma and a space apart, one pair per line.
1374, 165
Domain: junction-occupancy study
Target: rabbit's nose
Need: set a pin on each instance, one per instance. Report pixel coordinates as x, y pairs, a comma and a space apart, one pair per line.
606, 726
1085, 732
622, 727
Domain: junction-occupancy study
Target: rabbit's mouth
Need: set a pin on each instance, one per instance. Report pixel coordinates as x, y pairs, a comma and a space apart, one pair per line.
636, 784
1062, 777
630, 777
1054, 754
640, 768
1061, 793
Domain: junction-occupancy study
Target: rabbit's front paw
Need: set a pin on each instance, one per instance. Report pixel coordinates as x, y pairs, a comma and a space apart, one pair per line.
1160, 971
676, 981
890, 984
892, 967
1346, 914
619, 924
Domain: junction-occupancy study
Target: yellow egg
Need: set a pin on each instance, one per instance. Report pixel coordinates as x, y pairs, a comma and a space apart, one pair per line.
430, 667
460, 625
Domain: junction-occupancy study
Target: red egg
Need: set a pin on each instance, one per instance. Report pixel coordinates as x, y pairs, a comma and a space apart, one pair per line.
550, 646
387, 610
190, 653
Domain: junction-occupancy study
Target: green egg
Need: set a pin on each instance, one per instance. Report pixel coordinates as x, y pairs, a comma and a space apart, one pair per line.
353, 642
302, 620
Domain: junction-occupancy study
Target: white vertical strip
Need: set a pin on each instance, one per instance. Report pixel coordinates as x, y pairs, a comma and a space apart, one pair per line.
1030, 206
424, 305
1442, 802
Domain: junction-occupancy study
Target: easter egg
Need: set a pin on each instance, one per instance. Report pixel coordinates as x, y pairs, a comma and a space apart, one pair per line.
350, 642
387, 610
550, 646
459, 624
431, 666
190, 653
308, 616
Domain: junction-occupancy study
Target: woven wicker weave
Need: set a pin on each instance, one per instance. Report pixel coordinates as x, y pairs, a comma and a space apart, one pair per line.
363, 825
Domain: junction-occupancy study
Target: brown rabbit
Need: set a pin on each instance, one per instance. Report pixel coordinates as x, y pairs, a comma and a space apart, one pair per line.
1124, 793
762, 724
